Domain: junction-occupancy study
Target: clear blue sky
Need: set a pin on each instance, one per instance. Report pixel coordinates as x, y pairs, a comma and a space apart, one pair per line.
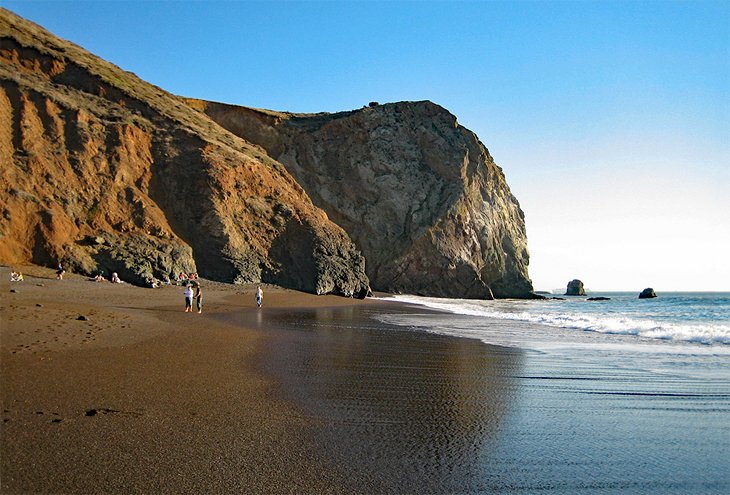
611, 120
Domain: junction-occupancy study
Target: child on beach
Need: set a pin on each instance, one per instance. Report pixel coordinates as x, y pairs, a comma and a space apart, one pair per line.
259, 296
188, 299
199, 299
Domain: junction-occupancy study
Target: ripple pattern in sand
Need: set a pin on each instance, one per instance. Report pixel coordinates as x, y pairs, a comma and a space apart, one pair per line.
400, 412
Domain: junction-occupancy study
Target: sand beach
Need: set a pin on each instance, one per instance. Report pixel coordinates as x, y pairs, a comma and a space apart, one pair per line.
142, 397
316, 394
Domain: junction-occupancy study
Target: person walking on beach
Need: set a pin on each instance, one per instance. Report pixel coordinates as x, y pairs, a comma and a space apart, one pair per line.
188, 299
60, 272
259, 296
199, 299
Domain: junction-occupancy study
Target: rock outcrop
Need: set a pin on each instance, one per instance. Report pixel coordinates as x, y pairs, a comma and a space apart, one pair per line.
575, 288
647, 293
418, 193
102, 170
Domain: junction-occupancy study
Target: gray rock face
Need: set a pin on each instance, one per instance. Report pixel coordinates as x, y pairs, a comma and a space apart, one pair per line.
136, 259
647, 293
418, 193
575, 288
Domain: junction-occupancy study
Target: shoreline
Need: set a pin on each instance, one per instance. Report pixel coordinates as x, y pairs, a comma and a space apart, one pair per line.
143, 397
314, 394
394, 410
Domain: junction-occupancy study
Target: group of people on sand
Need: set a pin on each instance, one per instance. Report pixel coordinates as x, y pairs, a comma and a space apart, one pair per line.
99, 277
190, 294
197, 295
18, 276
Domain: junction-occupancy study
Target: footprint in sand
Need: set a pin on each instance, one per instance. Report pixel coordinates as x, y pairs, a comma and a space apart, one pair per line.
105, 410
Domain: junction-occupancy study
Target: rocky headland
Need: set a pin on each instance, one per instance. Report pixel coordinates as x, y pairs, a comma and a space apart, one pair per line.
103, 171
416, 191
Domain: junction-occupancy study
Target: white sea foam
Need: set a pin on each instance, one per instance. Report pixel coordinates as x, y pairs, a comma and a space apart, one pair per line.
620, 318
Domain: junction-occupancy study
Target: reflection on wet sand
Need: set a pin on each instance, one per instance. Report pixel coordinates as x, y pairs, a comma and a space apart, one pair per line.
394, 410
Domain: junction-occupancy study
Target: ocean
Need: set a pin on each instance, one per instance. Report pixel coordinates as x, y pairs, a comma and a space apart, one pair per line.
624, 319
625, 395
424, 395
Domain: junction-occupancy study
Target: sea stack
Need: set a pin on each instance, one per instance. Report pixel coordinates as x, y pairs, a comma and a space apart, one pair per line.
647, 293
575, 288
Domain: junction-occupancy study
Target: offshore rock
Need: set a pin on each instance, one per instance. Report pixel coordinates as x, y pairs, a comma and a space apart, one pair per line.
105, 172
647, 293
418, 193
575, 288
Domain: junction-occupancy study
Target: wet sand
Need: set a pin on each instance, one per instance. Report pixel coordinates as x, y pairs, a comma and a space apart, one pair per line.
142, 397
401, 411
397, 411
315, 395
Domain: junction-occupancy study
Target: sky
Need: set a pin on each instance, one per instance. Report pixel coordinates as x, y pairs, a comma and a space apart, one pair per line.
610, 119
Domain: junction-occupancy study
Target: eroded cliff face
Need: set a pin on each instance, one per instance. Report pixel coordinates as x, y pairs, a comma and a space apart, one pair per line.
103, 171
419, 194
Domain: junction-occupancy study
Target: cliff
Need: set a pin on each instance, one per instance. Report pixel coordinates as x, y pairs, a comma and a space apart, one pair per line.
103, 171
418, 193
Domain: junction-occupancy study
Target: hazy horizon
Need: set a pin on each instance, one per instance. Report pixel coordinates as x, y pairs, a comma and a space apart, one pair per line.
611, 120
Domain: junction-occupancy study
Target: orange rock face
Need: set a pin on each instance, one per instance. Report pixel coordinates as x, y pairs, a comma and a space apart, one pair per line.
103, 171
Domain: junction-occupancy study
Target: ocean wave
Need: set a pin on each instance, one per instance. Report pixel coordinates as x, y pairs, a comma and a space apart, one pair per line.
605, 323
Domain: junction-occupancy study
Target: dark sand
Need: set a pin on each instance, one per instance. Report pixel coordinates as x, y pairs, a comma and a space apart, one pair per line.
144, 398
395, 411
313, 395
